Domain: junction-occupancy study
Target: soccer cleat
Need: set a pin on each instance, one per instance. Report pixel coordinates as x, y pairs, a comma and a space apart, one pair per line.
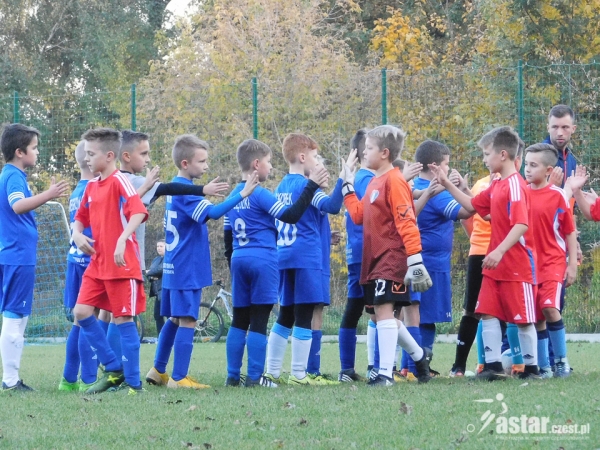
492, 372
456, 372
262, 381
234, 382
479, 368
85, 386
530, 373
156, 378
349, 376
124, 386
323, 380
309, 380
546, 373
517, 369
106, 381
67, 386
398, 377
381, 380
563, 369
19, 386
186, 383
277, 380
434, 373
422, 365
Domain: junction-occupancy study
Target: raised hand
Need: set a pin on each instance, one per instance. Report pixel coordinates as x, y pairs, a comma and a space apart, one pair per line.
251, 184
59, 189
319, 175
411, 170
215, 187
556, 177
439, 174
577, 181
457, 180
349, 167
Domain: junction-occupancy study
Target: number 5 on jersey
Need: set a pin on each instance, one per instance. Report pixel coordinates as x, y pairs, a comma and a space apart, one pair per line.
170, 246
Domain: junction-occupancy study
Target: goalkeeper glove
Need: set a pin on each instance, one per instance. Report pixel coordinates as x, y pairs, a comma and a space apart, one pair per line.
417, 275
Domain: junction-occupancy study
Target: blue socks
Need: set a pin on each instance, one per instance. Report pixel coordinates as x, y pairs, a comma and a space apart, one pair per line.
415, 332
235, 345
257, 354
427, 335
114, 339
480, 346
314, 357
104, 325
166, 339
347, 343
130, 343
182, 352
72, 358
93, 333
89, 361
512, 334
558, 337
542, 348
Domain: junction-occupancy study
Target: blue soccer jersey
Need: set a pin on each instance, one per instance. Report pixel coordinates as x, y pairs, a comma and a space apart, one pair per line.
18, 232
299, 245
326, 244
252, 223
437, 228
75, 255
354, 244
186, 264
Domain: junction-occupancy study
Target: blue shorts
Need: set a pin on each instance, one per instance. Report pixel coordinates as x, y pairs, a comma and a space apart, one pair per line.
355, 290
300, 286
180, 303
436, 302
73, 283
326, 294
16, 289
254, 281
414, 296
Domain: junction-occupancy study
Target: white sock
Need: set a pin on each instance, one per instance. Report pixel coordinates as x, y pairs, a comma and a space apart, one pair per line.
491, 334
397, 360
276, 348
11, 349
387, 336
371, 344
408, 343
300, 353
528, 339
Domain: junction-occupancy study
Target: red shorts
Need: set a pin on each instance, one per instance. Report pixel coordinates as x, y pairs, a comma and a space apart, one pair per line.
548, 296
510, 301
122, 297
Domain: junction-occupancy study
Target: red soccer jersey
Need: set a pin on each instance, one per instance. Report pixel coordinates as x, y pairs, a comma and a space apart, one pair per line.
507, 202
595, 210
553, 221
390, 233
107, 205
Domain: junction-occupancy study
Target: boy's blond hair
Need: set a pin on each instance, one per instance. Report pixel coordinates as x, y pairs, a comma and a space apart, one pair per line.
501, 138
108, 138
390, 137
296, 143
249, 151
185, 147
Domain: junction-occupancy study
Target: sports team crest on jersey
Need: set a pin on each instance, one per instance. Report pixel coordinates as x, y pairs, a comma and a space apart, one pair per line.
374, 196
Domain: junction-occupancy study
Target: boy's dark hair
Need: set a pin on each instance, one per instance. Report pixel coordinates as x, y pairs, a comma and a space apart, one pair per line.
431, 152
185, 147
358, 142
560, 111
399, 164
548, 152
109, 138
390, 137
16, 136
521, 148
130, 139
501, 138
251, 150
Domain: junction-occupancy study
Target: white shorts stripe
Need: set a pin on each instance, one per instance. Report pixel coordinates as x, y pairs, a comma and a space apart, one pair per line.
133, 296
529, 303
557, 296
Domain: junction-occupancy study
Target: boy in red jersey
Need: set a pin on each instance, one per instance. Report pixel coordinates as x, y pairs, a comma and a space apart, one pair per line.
508, 287
113, 280
555, 234
391, 248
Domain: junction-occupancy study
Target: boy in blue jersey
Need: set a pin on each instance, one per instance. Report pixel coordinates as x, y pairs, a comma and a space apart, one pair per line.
186, 266
300, 263
78, 351
355, 303
436, 225
18, 242
250, 228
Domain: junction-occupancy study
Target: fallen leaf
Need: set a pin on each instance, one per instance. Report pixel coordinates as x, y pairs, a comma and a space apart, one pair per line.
197, 428
289, 405
209, 418
236, 422
174, 402
187, 444
303, 422
207, 445
278, 443
524, 384
30, 416
192, 408
249, 413
569, 421
405, 409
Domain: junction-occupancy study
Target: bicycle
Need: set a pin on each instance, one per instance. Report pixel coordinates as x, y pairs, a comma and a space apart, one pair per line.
210, 324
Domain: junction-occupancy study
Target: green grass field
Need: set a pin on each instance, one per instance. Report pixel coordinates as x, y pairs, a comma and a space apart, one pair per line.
439, 415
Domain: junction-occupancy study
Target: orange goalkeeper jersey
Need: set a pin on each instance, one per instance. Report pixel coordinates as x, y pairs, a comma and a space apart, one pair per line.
390, 233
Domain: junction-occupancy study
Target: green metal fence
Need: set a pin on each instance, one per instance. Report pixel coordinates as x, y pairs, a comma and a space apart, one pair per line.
453, 105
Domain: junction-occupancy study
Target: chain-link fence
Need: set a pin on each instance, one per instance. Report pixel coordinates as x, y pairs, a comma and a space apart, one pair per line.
455, 106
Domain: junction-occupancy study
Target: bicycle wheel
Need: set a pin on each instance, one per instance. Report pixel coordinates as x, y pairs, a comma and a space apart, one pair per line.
210, 325
139, 324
